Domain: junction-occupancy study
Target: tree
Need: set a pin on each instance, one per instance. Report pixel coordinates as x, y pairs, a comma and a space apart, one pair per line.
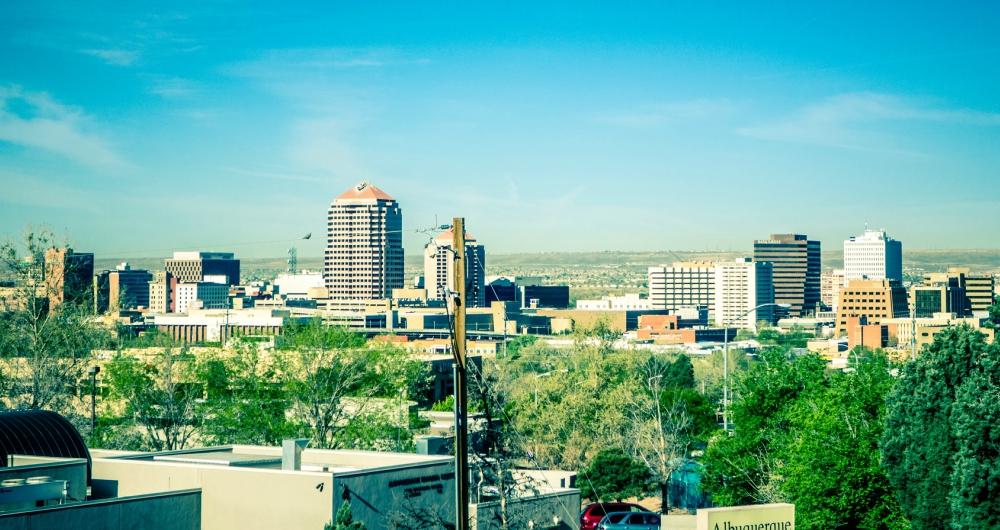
345, 519
613, 475
938, 445
246, 398
161, 395
659, 437
46, 329
832, 468
994, 315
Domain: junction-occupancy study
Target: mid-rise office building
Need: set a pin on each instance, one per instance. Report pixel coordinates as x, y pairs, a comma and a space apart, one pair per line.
193, 267
977, 288
873, 256
68, 275
829, 287
684, 284
626, 302
201, 295
161, 287
875, 300
364, 250
741, 286
123, 288
796, 264
439, 269
968, 293
297, 286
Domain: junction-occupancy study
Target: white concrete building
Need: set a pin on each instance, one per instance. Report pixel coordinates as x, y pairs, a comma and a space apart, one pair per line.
683, 284
439, 268
364, 250
873, 256
201, 295
740, 286
296, 286
627, 302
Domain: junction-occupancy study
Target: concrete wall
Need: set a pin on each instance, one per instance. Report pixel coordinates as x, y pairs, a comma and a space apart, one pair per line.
419, 493
233, 498
558, 510
175, 510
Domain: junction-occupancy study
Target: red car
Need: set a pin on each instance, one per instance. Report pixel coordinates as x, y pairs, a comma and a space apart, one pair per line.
594, 512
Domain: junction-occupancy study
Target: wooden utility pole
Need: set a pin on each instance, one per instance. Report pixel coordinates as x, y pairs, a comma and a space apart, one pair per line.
461, 380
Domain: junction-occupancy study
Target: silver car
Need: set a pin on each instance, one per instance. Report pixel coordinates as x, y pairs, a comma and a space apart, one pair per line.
630, 521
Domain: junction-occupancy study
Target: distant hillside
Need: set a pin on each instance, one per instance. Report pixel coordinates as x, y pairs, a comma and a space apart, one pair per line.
983, 260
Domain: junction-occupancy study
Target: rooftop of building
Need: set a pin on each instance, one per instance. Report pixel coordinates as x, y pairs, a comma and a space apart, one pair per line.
337, 461
364, 191
197, 255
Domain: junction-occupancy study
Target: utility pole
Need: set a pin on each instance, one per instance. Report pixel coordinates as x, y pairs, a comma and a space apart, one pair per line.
461, 381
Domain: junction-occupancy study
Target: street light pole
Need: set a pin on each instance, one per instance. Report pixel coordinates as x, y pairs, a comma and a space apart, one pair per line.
93, 371
725, 360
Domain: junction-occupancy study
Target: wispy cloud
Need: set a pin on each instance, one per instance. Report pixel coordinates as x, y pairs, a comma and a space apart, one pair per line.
113, 56
273, 175
173, 87
861, 121
35, 120
655, 114
315, 61
40, 192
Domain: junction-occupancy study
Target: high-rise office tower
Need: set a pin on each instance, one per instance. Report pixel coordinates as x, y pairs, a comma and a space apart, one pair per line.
439, 269
364, 247
215, 267
741, 286
796, 262
684, 284
873, 256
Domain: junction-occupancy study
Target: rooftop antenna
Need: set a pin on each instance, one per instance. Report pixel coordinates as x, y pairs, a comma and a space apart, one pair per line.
293, 260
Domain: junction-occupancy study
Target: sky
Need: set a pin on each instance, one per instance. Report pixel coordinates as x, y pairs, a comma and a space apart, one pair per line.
132, 129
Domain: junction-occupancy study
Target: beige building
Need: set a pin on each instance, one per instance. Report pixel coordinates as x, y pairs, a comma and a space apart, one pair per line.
364, 250
830, 284
875, 300
265, 488
68, 275
903, 329
439, 268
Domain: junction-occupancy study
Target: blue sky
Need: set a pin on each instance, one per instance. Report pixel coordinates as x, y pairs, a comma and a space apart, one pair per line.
135, 130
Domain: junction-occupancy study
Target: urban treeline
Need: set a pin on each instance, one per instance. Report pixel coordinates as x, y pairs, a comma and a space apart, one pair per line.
880, 444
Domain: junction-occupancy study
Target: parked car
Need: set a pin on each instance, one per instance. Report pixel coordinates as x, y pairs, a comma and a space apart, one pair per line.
594, 512
630, 521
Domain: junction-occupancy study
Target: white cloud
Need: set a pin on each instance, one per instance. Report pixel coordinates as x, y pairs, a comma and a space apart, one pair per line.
859, 121
45, 124
113, 56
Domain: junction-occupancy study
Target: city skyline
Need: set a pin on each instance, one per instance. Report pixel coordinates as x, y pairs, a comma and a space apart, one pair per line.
642, 129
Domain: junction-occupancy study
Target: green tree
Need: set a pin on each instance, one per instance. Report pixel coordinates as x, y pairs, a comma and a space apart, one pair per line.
613, 475
161, 396
246, 398
831, 464
807, 435
345, 520
47, 331
937, 445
